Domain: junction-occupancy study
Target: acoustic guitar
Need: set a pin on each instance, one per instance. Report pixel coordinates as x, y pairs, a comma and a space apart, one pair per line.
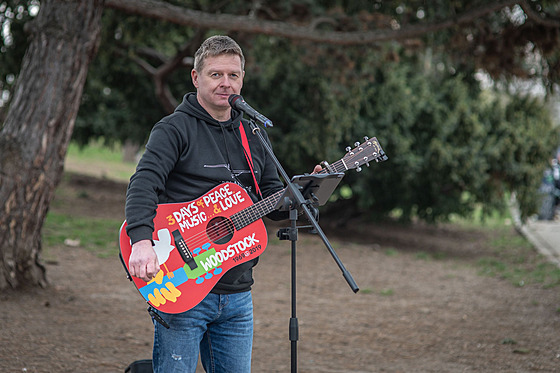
197, 242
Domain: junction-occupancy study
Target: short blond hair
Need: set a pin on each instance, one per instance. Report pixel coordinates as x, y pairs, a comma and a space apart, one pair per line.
216, 46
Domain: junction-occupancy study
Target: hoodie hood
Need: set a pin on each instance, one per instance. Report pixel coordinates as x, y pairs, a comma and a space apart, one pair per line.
191, 106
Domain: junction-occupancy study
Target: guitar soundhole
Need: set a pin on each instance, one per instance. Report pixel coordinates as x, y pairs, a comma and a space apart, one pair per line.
220, 230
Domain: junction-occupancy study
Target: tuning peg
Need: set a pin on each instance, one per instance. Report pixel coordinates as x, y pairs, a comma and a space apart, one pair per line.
358, 169
356, 143
366, 161
348, 149
366, 138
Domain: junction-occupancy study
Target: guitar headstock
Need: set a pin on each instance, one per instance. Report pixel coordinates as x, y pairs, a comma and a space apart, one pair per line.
364, 153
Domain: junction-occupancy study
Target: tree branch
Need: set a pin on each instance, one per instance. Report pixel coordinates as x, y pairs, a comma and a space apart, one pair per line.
163, 92
188, 17
536, 17
167, 66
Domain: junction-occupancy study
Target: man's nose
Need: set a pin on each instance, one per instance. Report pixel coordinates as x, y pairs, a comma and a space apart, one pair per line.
225, 82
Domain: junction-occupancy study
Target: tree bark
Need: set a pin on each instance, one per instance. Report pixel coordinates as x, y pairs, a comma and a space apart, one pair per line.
33, 141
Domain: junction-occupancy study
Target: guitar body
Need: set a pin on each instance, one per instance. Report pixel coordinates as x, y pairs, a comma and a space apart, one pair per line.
197, 243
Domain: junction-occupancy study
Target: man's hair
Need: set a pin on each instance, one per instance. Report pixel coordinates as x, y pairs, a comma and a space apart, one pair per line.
217, 46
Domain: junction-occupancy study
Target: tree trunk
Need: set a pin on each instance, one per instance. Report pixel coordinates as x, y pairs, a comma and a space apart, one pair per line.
33, 141
130, 151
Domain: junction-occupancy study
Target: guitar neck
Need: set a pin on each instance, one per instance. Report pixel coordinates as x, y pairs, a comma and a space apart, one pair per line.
265, 206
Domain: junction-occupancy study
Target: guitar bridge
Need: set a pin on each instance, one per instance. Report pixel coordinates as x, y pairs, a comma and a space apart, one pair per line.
181, 246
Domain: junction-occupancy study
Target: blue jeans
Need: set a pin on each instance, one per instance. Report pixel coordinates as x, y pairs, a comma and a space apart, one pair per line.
220, 329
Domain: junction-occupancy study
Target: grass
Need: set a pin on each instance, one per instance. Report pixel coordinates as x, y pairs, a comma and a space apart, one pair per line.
514, 259
387, 292
96, 235
95, 150
96, 159
391, 252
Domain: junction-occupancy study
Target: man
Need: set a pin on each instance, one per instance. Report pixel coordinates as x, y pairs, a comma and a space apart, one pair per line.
550, 189
188, 153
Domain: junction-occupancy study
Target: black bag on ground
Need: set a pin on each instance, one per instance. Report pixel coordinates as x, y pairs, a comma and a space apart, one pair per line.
140, 366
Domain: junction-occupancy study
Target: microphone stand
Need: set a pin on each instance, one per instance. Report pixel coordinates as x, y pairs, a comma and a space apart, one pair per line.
293, 200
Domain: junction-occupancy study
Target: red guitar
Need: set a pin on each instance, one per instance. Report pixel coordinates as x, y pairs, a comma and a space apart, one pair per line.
197, 242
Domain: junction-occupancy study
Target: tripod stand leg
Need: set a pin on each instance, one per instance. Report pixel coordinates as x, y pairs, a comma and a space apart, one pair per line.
291, 235
294, 327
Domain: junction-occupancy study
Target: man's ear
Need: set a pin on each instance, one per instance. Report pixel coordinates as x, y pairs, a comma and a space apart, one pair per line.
194, 77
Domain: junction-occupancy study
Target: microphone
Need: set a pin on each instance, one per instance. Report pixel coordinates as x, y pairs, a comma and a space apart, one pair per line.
237, 102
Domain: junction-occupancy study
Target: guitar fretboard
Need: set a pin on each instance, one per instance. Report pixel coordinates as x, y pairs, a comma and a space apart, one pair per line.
366, 152
265, 206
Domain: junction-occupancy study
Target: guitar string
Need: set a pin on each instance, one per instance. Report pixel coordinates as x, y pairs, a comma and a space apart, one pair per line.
223, 228
253, 212
246, 216
243, 218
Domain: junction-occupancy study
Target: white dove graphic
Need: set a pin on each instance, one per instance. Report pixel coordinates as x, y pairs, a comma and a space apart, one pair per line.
163, 247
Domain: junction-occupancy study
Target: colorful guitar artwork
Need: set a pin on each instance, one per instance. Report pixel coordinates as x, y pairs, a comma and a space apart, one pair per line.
197, 242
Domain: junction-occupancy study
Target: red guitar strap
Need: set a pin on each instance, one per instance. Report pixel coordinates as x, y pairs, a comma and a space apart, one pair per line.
245, 143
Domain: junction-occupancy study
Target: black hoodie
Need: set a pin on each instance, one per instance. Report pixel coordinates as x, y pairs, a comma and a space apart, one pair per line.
187, 154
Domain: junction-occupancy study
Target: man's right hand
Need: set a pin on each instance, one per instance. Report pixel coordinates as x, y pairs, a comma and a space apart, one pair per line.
143, 262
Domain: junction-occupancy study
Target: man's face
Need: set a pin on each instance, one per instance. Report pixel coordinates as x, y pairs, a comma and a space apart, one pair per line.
221, 76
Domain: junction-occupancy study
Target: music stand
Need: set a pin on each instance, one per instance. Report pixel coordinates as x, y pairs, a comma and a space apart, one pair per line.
302, 193
294, 201
316, 188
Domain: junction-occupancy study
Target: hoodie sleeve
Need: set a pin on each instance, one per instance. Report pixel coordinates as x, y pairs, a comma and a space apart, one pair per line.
148, 182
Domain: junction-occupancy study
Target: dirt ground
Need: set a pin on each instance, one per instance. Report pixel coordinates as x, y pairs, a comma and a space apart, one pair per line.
412, 314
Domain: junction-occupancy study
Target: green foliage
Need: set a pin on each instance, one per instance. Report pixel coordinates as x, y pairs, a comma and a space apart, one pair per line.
13, 43
119, 101
452, 148
518, 147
